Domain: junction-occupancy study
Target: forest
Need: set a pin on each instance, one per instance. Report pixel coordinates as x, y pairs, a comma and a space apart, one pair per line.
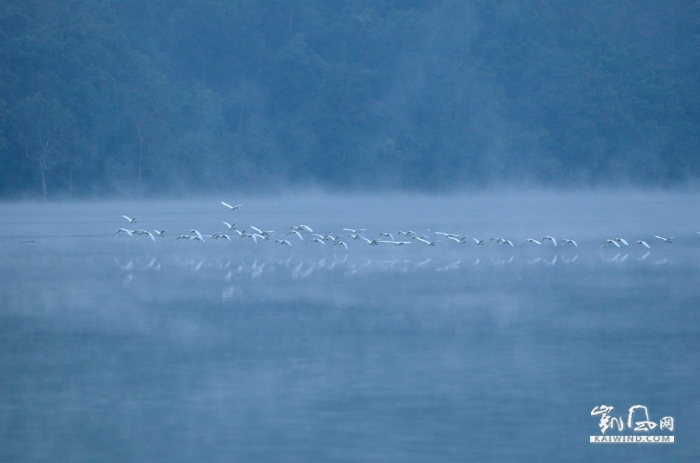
151, 98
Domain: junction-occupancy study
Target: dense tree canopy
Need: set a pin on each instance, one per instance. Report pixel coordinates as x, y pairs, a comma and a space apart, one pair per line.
160, 96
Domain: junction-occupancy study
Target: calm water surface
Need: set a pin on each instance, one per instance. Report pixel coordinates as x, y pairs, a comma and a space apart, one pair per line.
118, 348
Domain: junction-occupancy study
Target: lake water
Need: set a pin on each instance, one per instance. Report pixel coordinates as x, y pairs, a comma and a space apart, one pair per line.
119, 348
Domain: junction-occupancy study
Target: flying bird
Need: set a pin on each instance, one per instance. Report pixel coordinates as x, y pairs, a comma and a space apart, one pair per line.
197, 234
144, 232
448, 235
550, 238
233, 208
424, 239
643, 243
340, 243
667, 240
564, 241
261, 232
369, 241
296, 232
457, 239
124, 230
131, 220
530, 240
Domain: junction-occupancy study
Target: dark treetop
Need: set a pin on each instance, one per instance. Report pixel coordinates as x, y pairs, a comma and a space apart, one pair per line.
155, 97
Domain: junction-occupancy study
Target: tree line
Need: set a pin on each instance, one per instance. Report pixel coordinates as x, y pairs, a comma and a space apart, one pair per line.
147, 98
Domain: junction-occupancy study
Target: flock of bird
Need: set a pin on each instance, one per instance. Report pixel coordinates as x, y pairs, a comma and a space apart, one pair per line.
403, 238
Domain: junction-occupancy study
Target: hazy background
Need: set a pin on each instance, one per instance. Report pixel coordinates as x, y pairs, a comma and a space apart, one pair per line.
143, 99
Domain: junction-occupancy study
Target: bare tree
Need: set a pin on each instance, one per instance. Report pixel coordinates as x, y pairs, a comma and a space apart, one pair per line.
46, 129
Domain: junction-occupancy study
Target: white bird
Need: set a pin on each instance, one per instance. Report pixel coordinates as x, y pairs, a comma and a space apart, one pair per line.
340, 243
230, 226
145, 232
621, 240
233, 208
304, 227
412, 233
457, 239
448, 235
317, 240
369, 241
508, 242
131, 220
261, 232
396, 243
424, 239
564, 241
530, 240
550, 238
388, 235
255, 236
296, 232
643, 243
199, 235
610, 242
667, 240
478, 241
160, 233
283, 242
355, 231
124, 230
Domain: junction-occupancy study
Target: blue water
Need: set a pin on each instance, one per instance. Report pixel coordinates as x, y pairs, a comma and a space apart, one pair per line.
118, 348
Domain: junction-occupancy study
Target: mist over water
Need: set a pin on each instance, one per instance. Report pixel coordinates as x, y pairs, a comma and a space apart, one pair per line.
127, 348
